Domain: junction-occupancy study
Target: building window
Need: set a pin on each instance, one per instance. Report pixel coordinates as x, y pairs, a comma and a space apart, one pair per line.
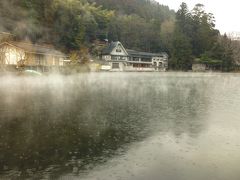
135, 65
40, 59
114, 58
115, 65
118, 50
135, 59
122, 58
146, 59
56, 61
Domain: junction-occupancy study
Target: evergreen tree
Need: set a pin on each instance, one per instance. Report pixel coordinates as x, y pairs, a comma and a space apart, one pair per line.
182, 48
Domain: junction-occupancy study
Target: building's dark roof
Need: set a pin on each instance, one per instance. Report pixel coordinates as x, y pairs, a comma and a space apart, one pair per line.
146, 54
35, 49
130, 52
110, 47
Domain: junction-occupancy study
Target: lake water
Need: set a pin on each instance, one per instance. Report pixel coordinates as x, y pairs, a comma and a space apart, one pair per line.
120, 126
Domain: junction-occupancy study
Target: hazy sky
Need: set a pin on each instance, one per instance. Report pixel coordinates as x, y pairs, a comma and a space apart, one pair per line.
227, 13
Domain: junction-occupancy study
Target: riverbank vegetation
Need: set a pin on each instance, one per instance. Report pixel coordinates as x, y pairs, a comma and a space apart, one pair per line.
77, 27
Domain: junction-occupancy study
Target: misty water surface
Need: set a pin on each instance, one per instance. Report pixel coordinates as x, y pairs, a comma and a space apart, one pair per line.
126, 126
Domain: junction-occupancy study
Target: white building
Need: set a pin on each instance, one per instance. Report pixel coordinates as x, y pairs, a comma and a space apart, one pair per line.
121, 59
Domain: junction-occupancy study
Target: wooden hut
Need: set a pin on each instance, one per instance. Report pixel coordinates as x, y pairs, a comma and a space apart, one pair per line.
30, 56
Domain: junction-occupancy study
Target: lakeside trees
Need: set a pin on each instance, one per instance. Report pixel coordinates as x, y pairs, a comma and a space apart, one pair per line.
72, 25
196, 40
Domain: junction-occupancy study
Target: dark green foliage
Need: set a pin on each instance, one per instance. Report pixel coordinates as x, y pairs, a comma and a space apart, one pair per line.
227, 54
182, 52
182, 47
68, 25
146, 9
195, 37
137, 23
220, 56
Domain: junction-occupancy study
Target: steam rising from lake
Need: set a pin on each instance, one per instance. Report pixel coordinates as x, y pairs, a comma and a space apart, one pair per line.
120, 126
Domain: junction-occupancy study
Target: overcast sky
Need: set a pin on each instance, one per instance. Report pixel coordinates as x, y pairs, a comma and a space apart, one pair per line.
227, 13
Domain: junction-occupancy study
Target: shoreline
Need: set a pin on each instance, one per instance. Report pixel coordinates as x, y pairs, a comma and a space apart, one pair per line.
19, 74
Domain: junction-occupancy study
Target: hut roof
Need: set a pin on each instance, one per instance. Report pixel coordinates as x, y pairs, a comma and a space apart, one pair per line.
35, 48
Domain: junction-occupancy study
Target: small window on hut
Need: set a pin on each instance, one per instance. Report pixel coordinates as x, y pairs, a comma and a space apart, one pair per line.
119, 49
40, 59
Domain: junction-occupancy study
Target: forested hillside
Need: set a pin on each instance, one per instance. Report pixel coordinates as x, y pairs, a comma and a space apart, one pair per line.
74, 25
139, 24
69, 24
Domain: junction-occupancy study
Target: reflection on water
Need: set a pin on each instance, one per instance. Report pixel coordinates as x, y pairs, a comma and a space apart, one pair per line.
120, 126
